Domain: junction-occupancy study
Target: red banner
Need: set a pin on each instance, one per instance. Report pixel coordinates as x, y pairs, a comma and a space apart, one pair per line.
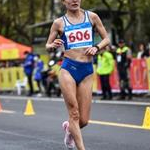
114, 80
138, 75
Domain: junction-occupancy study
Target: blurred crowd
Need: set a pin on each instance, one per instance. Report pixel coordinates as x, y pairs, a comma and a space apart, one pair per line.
121, 56
46, 78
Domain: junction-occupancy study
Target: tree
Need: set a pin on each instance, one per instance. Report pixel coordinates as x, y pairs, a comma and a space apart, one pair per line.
15, 18
126, 25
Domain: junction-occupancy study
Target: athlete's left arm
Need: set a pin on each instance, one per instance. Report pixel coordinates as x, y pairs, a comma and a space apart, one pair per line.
96, 22
101, 30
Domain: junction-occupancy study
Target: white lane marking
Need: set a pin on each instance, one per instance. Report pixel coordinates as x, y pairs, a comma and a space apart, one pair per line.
61, 100
7, 111
122, 102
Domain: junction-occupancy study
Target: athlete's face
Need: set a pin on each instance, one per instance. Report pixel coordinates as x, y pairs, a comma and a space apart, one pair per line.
72, 4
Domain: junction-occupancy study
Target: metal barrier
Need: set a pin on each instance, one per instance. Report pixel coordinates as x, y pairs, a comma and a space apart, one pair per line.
140, 77
9, 77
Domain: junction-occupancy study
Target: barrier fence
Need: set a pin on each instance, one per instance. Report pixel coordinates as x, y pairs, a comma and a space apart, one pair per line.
10, 76
139, 77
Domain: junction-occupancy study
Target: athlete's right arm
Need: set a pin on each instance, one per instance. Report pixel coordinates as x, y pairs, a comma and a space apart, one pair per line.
53, 42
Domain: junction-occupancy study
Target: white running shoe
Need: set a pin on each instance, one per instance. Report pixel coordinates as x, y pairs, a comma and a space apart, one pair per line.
68, 140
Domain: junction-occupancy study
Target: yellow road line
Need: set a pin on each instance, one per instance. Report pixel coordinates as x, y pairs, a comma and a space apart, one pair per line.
117, 124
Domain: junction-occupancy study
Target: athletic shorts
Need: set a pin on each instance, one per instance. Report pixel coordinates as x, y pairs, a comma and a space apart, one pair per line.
78, 70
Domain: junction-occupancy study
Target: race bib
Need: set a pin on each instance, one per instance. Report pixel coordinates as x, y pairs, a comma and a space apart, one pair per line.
79, 36
119, 58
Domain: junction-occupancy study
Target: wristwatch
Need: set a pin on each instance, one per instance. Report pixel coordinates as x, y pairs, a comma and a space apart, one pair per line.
97, 47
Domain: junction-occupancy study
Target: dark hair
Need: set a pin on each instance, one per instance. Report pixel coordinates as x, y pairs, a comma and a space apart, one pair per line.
26, 52
37, 55
121, 41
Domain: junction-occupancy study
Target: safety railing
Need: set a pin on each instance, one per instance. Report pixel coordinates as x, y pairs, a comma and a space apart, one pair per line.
139, 77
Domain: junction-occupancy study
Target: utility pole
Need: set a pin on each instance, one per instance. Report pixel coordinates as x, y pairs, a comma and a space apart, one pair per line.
52, 6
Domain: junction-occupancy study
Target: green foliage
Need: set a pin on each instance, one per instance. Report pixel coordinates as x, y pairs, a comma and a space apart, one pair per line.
89, 4
17, 15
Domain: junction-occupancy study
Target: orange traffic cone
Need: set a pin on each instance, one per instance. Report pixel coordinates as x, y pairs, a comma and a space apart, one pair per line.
0, 107
29, 108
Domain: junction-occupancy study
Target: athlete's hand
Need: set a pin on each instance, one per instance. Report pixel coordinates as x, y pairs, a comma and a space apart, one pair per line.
91, 51
56, 44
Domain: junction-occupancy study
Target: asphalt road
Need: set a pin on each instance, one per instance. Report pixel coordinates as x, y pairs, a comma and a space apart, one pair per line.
43, 131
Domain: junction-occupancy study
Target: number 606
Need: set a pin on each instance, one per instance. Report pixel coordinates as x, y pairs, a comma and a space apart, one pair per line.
79, 36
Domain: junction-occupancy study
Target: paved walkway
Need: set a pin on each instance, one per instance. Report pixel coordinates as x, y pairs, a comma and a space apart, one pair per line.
137, 100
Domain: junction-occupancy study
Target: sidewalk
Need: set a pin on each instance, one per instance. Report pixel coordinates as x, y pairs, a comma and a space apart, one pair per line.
141, 98
135, 98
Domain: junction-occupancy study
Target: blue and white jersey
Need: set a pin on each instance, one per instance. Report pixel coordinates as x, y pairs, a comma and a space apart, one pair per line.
78, 35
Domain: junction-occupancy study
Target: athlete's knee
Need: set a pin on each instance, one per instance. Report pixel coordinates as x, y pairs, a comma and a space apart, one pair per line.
83, 122
74, 114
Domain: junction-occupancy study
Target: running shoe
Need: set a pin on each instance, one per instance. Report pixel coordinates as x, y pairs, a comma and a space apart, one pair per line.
68, 140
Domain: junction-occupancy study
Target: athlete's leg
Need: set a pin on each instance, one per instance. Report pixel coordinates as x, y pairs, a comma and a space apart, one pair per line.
68, 88
84, 97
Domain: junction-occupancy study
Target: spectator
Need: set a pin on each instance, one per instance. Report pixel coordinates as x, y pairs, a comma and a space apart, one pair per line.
113, 50
28, 69
143, 52
148, 48
105, 67
123, 58
38, 72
